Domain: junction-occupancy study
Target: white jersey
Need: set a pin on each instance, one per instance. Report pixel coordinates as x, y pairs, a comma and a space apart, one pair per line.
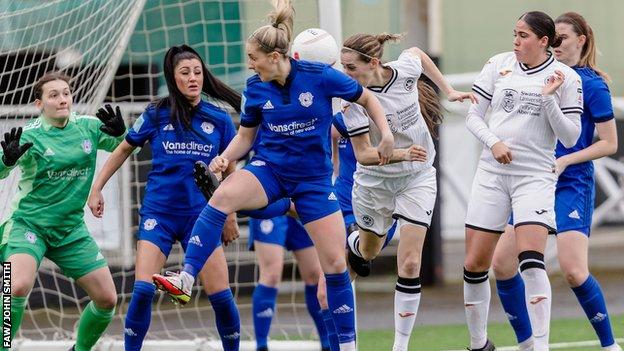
513, 91
399, 99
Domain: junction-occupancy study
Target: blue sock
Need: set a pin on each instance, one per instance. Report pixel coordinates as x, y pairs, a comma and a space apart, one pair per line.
226, 319
334, 345
139, 315
263, 308
592, 300
315, 312
341, 303
278, 208
205, 238
511, 294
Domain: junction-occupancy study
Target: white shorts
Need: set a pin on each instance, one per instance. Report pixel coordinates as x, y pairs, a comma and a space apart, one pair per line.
378, 201
494, 196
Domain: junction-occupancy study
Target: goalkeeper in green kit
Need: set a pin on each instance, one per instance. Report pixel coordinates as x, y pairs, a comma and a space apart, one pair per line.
56, 154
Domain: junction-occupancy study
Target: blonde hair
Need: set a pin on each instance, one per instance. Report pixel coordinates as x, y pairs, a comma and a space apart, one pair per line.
589, 52
277, 35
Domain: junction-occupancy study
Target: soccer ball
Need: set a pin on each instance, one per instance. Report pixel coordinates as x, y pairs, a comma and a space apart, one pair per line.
315, 44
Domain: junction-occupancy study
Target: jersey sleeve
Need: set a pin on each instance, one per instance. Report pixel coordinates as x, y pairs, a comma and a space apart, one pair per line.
355, 119
142, 130
484, 83
338, 123
409, 63
338, 84
598, 101
229, 131
250, 115
571, 98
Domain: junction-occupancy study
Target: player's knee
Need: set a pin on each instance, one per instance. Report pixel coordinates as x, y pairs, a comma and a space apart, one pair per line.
502, 270
410, 267
270, 278
20, 287
106, 301
476, 264
336, 264
224, 199
368, 253
575, 276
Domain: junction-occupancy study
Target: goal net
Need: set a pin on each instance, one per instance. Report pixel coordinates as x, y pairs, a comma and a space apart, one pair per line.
114, 49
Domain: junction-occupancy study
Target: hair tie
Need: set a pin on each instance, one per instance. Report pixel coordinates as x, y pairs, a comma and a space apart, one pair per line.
275, 24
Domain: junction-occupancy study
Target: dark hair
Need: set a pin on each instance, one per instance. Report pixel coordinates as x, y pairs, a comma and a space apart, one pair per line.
542, 25
589, 52
368, 46
48, 77
277, 35
181, 108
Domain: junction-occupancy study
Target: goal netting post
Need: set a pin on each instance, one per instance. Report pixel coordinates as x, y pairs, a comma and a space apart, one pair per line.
114, 49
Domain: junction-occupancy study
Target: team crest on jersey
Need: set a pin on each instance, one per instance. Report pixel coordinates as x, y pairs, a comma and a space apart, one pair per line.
207, 127
410, 83
266, 226
305, 99
87, 147
30, 237
149, 224
368, 221
509, 99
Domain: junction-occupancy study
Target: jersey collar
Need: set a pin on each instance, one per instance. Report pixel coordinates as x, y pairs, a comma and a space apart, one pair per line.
47, 126
539, 67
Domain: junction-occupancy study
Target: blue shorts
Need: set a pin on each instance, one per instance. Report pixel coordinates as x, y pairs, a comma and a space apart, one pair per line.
284, 231
343, 192
164, 229
574, 204
314, 198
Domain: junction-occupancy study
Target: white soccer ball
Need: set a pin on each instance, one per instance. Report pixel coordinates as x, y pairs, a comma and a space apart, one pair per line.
315, 44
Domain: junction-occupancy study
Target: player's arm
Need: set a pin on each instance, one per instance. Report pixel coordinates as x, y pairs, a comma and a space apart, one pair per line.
12, 151
238, 147
372, 105
335, 135
565, 124
367, 155
114, 162
432, 72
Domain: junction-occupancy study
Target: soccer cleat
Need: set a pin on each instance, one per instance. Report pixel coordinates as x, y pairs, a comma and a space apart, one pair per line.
489, 346
205, 180
359, 265
173, 286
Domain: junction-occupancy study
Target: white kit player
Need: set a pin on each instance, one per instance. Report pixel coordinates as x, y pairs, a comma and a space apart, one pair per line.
405, 191
535, 100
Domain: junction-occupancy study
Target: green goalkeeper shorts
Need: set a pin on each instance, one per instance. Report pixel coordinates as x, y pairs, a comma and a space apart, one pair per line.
76, 253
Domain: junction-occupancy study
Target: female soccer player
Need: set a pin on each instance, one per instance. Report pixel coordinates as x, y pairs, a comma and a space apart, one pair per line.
57, 161
535, 100
181, 129
574, 194
405, 191
291, 100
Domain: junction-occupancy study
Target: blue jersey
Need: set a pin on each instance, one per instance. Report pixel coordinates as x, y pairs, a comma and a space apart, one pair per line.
295, 119
596, 109
170, 186
345, 151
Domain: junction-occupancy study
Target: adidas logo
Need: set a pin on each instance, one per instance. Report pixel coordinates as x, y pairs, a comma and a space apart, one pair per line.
332, 197
268, 313
129, 332
599, 317
168, 127
99, 256
195, 241
343, 309
511, 317
268, 105
48, 152
574, 214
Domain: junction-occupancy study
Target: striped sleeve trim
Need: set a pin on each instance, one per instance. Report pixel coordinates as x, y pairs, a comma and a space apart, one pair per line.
358, 131
477, 89
575, 109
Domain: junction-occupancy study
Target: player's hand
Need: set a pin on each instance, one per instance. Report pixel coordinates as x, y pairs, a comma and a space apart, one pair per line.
460, 96
113, 123
385, 148
96, 203
416, 153
230, 230
218, 164
560, 165
554, 82
11, 148
501, 153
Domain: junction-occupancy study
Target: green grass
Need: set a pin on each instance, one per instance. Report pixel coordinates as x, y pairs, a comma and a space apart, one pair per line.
455, 337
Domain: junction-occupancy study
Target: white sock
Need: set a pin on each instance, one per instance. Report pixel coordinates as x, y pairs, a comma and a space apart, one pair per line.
354, 242
538, 294
187, 280
350, 346
614, 347
406, 301
477, 304
526, 345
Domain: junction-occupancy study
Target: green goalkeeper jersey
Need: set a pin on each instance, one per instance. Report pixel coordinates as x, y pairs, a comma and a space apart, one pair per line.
57, 171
